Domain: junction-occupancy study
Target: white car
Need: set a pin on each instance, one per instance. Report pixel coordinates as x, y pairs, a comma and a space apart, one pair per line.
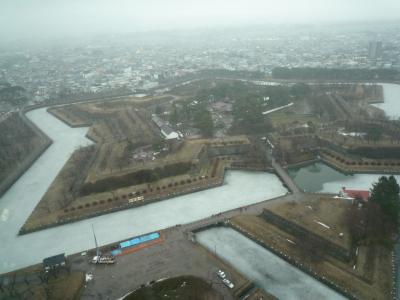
221, 274
228, 283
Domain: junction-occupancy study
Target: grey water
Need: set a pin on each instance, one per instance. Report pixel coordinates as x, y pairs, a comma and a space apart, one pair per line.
391, 104
320, 178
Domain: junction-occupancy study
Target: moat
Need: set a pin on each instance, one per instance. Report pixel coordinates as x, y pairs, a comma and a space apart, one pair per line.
239, 189
321, 178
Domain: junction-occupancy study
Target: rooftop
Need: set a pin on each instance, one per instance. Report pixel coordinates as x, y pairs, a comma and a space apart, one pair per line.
356, 194
54, 261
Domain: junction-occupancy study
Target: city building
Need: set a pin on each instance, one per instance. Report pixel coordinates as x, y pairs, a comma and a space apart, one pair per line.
375, 50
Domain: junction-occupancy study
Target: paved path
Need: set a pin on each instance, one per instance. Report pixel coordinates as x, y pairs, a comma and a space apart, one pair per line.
284, 176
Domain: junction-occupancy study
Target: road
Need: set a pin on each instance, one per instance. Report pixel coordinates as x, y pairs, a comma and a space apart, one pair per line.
284, 176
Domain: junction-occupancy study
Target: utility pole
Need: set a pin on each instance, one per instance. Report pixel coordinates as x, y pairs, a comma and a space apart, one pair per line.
95, 241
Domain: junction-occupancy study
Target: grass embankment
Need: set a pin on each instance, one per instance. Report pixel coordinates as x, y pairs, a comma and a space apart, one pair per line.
367, 276
180, 288
330, 212
51, 211
350, 164
74, 195
111, 121
20, 145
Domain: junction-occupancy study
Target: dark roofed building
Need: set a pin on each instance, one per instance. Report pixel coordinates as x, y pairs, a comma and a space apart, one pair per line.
54, 262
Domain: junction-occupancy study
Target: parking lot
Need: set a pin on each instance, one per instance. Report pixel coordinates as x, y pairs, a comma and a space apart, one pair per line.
175, 256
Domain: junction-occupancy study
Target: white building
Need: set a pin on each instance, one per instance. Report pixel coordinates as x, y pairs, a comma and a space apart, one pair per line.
166, 131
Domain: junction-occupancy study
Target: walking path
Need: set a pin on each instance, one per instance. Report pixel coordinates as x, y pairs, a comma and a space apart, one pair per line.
284, 176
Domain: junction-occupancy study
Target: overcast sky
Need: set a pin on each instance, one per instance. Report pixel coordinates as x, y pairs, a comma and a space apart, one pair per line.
43, 18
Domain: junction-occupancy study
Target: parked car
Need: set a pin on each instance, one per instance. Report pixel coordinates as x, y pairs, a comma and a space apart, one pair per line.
228, 283
221, 274
103, 259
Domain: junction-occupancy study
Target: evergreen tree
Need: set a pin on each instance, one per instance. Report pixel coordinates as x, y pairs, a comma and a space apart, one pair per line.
386, 193
203, 120
159, 110
174, 115
248, 110
300, 90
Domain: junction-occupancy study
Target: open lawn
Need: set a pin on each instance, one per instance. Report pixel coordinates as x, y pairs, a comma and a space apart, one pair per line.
111, 122
351, 164
325, 217
20, 145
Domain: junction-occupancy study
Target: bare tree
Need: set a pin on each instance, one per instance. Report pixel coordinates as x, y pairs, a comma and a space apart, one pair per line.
355, 219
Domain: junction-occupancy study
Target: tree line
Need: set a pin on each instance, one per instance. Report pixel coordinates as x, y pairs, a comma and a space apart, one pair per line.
377, 222
17, 141
249, 101
14, 96
335, 74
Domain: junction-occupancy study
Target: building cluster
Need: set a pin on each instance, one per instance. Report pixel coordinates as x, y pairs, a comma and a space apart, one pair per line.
143, 61
166, 130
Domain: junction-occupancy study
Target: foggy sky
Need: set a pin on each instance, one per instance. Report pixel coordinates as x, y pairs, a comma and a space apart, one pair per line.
21, 19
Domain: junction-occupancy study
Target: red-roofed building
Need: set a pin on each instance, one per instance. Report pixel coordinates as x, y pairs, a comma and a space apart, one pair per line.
355, 194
